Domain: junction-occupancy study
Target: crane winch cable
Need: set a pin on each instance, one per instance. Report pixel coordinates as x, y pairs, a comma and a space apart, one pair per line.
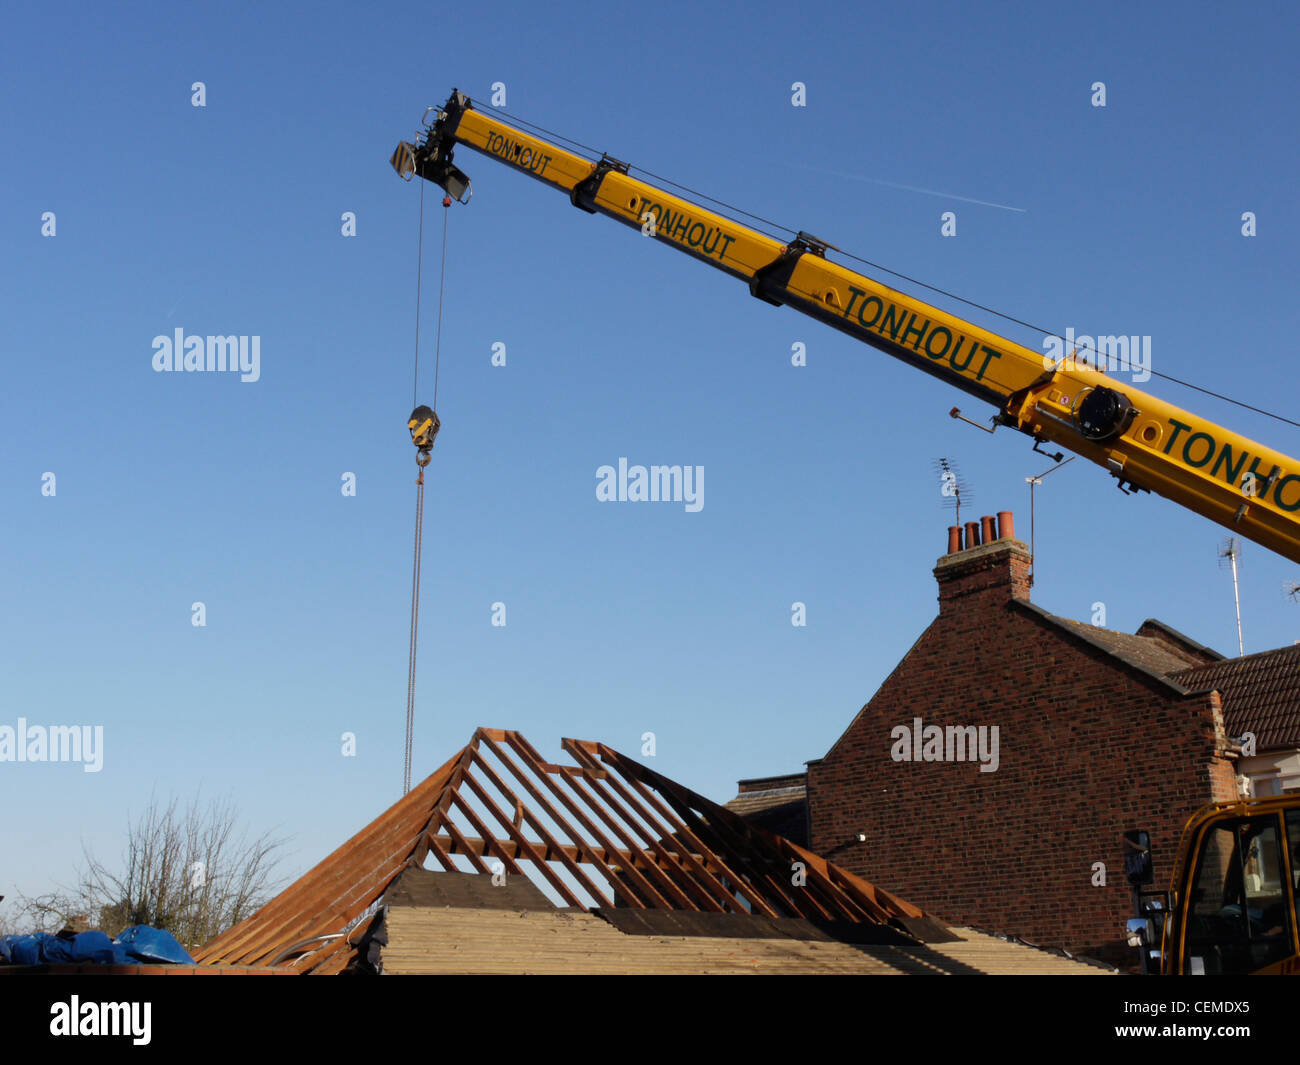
423, 425
415, 628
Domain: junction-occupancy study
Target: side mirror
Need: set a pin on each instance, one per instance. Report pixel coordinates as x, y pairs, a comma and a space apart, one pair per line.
1137, 857
1139, 932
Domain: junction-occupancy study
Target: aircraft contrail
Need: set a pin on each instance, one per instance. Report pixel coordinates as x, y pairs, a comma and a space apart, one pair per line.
912, 188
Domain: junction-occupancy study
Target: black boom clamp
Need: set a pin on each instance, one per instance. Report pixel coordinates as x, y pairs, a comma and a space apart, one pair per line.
583, 194
775, 276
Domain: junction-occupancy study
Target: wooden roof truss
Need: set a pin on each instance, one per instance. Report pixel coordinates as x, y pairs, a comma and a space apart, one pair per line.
603, 831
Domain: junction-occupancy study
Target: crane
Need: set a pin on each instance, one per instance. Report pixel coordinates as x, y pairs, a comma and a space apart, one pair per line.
1231, 906
1146, 443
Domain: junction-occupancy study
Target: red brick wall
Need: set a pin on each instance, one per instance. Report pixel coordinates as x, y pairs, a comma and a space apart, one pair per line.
1087, 749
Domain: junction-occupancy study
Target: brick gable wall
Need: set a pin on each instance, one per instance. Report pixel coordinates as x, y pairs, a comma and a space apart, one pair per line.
1087, 748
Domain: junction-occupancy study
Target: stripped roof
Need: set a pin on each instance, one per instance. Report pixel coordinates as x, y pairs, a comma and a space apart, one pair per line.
604, 831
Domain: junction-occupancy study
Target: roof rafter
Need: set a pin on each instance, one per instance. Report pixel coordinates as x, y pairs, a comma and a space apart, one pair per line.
651, 843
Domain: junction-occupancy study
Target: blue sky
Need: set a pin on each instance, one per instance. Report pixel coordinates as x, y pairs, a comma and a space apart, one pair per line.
621, 619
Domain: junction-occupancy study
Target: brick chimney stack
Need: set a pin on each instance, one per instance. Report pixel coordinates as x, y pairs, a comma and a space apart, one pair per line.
989, 563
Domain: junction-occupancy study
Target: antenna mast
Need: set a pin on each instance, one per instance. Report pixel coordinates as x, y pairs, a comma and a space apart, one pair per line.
1230, 550
1033, 483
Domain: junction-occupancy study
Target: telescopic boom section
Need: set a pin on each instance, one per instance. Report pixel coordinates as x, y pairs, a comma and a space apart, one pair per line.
1144, 442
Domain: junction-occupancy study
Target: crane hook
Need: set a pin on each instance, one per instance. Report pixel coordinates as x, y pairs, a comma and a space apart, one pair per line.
424, 425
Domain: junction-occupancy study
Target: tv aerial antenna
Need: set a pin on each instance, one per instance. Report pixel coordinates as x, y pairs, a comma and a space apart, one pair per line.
953, 489
1229, 552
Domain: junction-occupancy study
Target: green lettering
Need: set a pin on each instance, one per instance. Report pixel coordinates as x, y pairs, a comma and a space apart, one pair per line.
929, 343
1187, 449
892, 323
991, 356
1225, 459
1178, 428
920, 333
1277, 492
855, 294
1254, 468
961, 367
862, 311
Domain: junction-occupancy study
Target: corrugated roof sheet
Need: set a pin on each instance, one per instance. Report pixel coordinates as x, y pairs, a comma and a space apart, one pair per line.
433, 941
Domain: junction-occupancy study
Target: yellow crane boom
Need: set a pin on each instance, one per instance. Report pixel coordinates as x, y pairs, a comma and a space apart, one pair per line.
1143, 441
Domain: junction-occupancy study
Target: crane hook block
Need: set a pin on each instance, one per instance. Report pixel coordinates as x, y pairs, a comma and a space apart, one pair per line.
424, 425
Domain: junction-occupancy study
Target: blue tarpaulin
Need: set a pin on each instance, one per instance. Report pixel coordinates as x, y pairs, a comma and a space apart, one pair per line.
153, 945
138, 944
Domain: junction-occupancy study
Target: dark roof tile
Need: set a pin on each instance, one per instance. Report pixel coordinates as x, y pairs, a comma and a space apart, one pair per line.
1260, 693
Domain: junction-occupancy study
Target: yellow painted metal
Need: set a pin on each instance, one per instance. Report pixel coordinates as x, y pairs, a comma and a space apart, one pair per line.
1173, 947
1243, 485
534, 156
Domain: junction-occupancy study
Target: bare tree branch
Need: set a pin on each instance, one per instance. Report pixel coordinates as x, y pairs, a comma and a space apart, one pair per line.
191, 871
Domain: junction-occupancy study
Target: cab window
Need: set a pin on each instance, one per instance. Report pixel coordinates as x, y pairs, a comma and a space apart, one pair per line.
1293, 845
1238, 920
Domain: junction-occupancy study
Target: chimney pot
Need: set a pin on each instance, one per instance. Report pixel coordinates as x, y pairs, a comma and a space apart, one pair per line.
985, 574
